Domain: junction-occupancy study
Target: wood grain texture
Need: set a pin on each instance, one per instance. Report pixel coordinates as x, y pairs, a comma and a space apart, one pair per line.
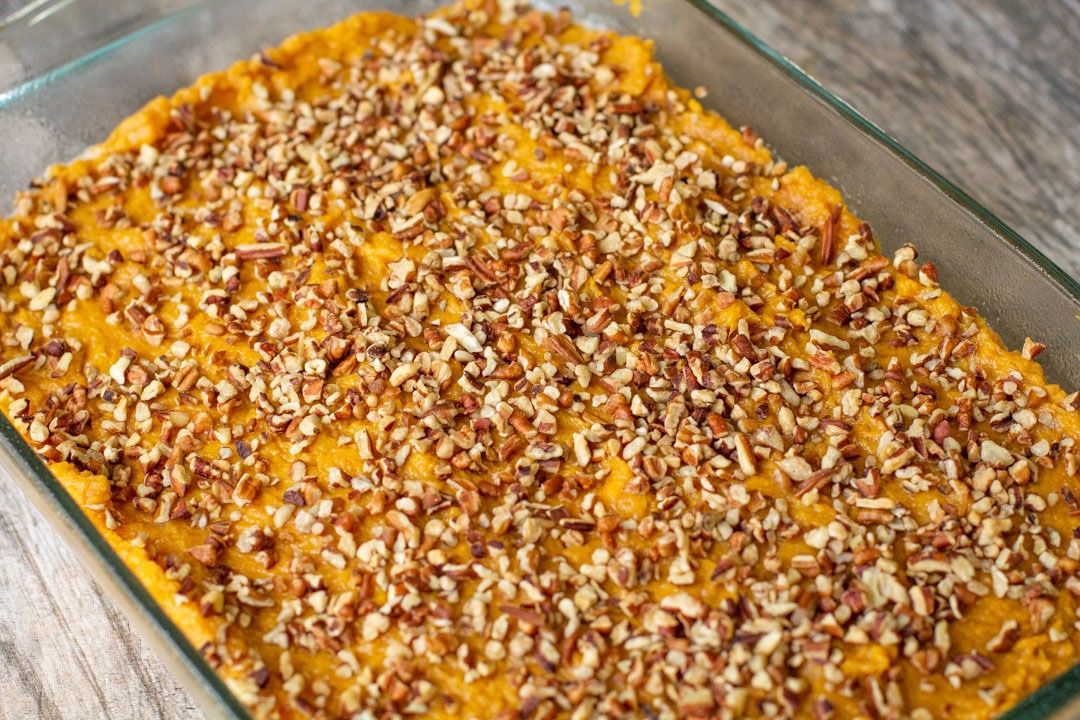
65, 650
986, 92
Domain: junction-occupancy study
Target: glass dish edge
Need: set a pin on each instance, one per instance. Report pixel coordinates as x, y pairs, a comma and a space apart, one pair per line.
63, 514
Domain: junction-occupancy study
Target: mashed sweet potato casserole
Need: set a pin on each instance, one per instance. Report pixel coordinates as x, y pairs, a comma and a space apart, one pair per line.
463, 367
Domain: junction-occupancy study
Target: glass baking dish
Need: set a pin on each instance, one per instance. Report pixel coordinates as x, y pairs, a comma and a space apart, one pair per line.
71, 70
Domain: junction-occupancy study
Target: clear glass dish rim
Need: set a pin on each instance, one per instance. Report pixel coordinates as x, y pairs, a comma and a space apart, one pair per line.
1062, 694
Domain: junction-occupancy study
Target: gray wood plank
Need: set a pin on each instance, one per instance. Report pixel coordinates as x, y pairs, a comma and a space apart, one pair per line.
988, 92
65, 650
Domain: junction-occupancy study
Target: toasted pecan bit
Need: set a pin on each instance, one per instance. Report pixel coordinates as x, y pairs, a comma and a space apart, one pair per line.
260, 251
13, 365
206, 553
1032, 349
171, 184
828, 237
815, 481
563, 347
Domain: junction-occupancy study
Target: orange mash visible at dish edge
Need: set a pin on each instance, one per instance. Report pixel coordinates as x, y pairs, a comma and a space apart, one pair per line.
464, 367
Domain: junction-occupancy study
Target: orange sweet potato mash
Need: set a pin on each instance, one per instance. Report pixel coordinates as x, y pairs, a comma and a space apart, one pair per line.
464, 367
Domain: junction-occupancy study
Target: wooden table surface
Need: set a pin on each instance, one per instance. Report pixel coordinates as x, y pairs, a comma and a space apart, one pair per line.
986, 92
